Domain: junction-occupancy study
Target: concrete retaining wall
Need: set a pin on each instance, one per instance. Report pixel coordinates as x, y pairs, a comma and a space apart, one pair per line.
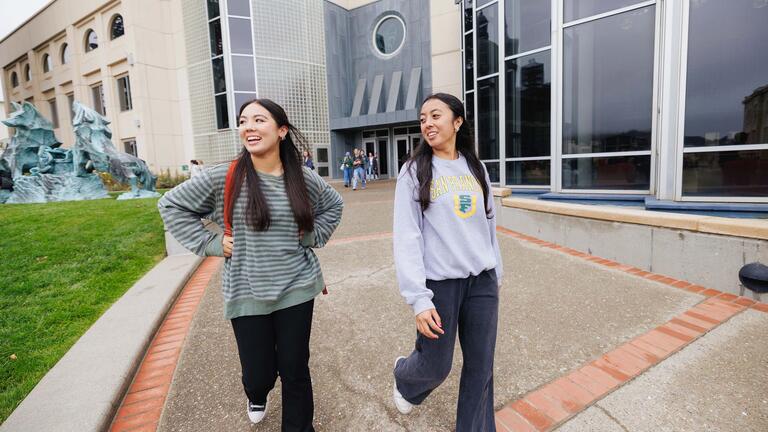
706, 259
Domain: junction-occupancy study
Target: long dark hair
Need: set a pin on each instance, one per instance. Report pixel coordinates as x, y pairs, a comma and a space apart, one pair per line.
257, 213
465, 144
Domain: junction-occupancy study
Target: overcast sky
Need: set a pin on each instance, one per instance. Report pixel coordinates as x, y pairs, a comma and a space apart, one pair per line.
14, 13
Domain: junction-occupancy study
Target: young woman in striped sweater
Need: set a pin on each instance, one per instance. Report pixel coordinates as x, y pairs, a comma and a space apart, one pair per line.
280, 211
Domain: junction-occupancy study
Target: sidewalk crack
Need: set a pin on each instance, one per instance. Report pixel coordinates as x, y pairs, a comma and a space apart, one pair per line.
615, 420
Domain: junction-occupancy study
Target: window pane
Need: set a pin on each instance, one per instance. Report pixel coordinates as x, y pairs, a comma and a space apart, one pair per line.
528, 106
469, 61
238, 7
482, 2
488, 118
222, 113
322, 155
130, 147
322, 171
65, 55
577, 9
528, 173
527, 24
242, 74
469, 107
213, 8
389, 35
608, 84
240, 36
71, 102
14, 80
731, 173
92, 41
627, 172
240, 99
54, 113
726, 99
98, 100
124, 91
219, 81
493, 171
214, 28
467, 15
117, 27
487, 41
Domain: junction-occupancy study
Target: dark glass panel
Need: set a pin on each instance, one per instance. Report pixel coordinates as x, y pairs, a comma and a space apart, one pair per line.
727, 84
623, 172
469, 61
527, 25
217, 48
493, 171
528, 173
488, 118
219, 80
608, 84
487, 41
222, 112
578, 9
528, 106
728, 173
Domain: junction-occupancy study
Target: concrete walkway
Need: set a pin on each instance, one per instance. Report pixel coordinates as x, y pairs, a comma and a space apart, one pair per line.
558, 312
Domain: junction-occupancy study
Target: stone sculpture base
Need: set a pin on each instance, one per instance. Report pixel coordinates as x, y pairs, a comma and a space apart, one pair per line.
141, 193
56, 187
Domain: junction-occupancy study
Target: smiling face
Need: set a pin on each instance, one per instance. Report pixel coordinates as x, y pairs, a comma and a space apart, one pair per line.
259, 132
439, 124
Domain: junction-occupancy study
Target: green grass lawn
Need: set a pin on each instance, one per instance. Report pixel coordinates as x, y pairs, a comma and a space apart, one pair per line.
61, 266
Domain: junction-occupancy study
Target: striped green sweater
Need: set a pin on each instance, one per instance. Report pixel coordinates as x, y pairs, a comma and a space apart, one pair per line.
269, 270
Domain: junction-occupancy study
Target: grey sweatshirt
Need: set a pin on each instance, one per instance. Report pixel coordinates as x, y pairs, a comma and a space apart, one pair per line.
453, 239
269, 270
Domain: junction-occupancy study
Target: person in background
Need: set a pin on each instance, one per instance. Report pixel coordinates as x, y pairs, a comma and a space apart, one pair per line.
371, 163
346, 168
194, 168
359, 170
307, 157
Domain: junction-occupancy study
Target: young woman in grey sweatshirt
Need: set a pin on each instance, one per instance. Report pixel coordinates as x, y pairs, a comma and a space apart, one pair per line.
280, 211
448, 265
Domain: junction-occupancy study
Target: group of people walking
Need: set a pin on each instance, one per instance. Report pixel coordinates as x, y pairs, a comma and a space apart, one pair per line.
275, 210
358, 168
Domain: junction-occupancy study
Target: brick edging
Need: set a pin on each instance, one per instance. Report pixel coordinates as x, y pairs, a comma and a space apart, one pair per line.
143, 403
554, 403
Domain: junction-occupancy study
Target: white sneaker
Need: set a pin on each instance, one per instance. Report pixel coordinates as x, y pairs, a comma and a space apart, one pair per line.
401, 404
256, 413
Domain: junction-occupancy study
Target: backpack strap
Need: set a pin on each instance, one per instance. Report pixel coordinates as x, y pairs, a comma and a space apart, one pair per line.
229, 186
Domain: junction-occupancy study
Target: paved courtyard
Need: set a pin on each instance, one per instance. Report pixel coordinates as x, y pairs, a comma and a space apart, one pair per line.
558, 312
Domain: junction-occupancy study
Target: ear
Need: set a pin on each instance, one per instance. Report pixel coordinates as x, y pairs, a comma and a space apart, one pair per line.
282, 131
457, 122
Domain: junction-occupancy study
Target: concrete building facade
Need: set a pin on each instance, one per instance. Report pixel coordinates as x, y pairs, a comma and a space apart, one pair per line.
171, 75
383, 58
124, 58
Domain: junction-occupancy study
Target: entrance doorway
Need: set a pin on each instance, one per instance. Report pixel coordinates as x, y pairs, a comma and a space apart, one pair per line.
377, 142
406, 140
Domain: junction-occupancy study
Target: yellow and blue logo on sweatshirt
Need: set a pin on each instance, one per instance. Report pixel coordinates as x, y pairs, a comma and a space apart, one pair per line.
464, 204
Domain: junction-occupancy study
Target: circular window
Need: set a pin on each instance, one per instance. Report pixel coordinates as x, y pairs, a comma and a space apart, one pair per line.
389, 35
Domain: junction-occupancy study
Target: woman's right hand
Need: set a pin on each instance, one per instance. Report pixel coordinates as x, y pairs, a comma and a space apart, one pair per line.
227, 244
429, 321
